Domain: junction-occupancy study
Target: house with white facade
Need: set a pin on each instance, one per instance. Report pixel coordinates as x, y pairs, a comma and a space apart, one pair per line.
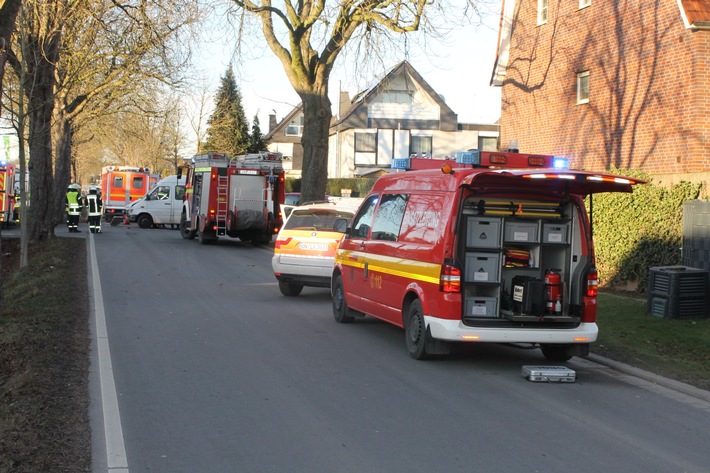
399, 117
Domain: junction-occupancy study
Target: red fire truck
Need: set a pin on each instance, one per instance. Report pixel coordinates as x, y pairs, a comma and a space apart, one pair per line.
7, 192
239, 197
121, 185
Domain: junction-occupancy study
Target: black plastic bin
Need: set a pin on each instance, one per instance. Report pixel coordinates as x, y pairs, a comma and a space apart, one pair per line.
678, 292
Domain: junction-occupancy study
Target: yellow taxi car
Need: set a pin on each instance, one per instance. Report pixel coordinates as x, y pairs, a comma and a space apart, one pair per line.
304, 250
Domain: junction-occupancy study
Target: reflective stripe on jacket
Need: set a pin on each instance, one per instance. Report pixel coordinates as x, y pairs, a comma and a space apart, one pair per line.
94, 204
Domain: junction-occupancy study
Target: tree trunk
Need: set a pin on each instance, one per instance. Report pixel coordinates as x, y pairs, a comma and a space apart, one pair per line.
39, 89
317, 113
62, 170
40, 165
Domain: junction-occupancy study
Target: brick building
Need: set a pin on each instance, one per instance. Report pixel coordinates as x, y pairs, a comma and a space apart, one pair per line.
623, 83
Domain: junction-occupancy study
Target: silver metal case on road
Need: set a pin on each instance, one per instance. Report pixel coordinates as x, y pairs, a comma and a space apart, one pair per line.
549, 374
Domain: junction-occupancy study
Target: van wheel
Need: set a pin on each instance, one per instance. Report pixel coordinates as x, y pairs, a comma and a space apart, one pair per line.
341, 311
415, 331
290, 289
556, 353
144, 221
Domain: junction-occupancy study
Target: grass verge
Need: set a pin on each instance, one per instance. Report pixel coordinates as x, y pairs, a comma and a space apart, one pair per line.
44, 359
677, 349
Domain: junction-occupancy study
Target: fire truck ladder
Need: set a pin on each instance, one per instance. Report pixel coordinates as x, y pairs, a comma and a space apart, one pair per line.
222, 204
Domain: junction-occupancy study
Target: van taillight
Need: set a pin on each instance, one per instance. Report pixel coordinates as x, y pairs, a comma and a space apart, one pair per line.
450, 279
592, 283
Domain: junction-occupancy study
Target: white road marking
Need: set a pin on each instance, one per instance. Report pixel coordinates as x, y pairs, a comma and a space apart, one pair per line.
117, 461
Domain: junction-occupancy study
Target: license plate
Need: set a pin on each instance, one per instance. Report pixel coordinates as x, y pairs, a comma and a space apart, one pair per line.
313, 246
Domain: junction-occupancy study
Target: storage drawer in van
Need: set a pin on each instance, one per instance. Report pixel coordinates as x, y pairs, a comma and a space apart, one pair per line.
555, 233
480, 307
482, 267
483, 232
521, 232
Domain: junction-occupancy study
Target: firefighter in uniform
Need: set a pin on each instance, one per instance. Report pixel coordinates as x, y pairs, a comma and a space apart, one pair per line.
94, 206
73, 201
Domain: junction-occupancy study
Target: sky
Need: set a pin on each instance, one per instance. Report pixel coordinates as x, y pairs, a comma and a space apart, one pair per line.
459, 69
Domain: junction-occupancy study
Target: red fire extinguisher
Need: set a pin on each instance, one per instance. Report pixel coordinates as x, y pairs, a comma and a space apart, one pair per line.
553, 291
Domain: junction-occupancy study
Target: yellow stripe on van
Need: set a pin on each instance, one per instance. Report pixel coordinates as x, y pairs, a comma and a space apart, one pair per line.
399, 267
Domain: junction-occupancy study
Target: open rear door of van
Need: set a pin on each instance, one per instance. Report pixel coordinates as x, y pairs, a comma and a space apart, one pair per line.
550, 181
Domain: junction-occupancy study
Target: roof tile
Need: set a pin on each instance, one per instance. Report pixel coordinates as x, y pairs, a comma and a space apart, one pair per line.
697, 11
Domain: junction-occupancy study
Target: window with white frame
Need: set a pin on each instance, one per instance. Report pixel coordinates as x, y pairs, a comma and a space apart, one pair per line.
365, 142
420, 144
488, 143
584, 3
541, 11
583, 87
295, 127
397, 96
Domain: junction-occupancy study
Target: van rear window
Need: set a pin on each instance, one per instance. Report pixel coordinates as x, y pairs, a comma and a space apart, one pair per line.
315, 219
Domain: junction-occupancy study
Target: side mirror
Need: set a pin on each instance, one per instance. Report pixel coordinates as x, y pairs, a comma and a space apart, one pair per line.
340, 225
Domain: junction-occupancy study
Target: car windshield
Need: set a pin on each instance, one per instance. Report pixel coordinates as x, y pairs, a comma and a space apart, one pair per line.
315, 219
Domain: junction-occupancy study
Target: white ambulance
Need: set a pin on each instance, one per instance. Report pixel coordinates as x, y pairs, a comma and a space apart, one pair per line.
161, 205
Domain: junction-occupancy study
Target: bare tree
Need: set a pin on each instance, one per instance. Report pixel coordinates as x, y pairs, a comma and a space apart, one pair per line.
41, 25
307, 36
15, 106
115, 56
8, 18
199, 115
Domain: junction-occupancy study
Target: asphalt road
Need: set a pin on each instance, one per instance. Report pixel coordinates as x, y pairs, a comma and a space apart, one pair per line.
215, 371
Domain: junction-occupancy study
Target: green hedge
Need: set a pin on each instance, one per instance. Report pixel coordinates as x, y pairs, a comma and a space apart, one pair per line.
633, 232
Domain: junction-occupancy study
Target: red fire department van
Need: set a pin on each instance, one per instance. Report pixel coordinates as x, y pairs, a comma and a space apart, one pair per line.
7, 192
492, 247
121, 185
239, 197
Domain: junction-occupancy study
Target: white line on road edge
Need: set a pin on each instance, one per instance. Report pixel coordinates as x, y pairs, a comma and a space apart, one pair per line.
115, 449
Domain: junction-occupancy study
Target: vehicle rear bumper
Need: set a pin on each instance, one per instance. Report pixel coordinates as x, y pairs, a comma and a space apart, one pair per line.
313, 281
303, 266
455, 330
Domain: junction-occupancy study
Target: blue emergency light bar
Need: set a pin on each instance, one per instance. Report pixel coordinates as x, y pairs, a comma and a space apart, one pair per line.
468, 157
560, 163
400, 163
476, 158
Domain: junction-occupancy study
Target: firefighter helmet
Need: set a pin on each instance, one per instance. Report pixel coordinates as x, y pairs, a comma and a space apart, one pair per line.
74, 187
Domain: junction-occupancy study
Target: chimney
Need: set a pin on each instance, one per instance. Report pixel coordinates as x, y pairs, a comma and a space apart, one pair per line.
272, 121
344, 103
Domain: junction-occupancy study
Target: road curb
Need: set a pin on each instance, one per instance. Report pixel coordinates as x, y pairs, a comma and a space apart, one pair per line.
652, 377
